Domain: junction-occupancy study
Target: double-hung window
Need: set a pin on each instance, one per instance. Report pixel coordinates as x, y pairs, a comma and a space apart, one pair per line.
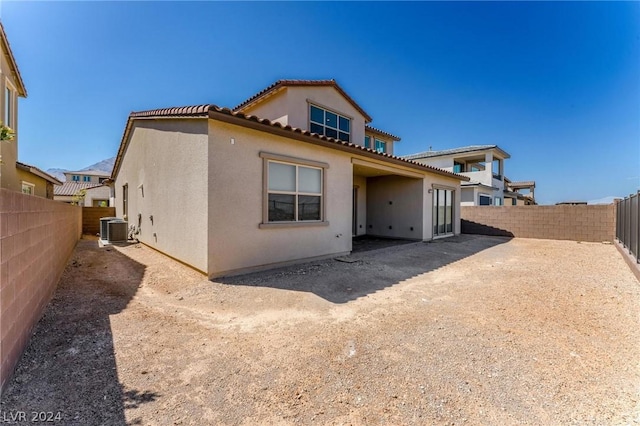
381, 146
331, 124
294, 190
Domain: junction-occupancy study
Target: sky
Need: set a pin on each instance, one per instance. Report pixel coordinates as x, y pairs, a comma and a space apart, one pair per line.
556, 85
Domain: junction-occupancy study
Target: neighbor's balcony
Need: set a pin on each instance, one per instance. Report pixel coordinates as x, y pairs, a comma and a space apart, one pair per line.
483, 176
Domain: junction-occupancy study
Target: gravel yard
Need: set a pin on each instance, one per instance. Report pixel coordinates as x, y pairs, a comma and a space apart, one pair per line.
475, 330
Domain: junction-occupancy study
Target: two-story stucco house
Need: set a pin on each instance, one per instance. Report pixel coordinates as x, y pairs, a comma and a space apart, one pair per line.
291, 174
97, 192
15, 175
482, 164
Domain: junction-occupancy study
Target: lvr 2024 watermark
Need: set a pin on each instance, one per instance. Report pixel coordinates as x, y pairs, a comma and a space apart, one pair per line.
30, 416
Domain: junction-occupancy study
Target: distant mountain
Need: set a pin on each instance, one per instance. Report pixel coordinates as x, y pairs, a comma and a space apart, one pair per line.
101, 166
57, 173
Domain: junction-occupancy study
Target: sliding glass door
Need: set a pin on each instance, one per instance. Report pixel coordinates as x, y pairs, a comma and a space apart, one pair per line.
442, 212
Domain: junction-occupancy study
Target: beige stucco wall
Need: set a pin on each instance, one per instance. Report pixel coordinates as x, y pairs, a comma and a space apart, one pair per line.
274, 108
165, 166
8, 150
291, 106
361, 183
99, 193
236, 202
93, 178
436, 181
40, 183
394, 206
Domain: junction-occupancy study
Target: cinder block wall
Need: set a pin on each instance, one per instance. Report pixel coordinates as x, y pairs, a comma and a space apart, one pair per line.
37, 237
595, 223
91, 218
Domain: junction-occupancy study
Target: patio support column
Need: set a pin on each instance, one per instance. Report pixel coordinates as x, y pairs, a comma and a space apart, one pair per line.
427, 210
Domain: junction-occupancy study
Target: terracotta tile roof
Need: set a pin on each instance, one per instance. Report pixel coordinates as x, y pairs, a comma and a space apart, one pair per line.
286, 83
38, 172
239, 118
186, 111
461, 150
381, 132
71, 187
22, 91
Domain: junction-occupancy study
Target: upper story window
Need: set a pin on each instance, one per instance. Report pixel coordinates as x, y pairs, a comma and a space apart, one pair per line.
327, 123
458, 167
75, 178
86, 178
9, 105
367, 141
381, 146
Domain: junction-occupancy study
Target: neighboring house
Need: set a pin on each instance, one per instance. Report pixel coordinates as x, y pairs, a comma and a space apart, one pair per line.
482, 164
94, 183
283, 177
15, 175
572, 203
514, 195
34, 181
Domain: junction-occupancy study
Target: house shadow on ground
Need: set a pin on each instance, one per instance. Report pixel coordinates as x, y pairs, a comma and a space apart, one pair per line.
368, 269
471, 227
69, 365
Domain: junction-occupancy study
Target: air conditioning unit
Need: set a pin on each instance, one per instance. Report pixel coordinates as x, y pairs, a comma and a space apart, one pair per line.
103, 227
117, 230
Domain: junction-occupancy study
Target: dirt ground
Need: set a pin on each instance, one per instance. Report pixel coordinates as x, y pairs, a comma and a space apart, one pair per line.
475, 330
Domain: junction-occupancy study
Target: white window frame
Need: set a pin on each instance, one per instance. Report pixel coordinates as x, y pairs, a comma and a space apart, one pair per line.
383, 149
292, 161
325, 126
29, 185
10, 99
434, 218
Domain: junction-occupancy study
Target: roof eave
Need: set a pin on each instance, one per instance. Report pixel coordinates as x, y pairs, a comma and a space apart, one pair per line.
282, 84
197, 111
22, 90
382, 133
227, 116
38, 172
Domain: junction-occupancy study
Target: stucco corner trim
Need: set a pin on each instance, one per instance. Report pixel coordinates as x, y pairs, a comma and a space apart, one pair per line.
288, 159
272, 225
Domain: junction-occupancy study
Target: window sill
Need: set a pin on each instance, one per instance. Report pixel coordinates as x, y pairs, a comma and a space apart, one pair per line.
270, 225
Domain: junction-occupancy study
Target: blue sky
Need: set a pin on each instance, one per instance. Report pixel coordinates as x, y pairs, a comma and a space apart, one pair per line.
557, 85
